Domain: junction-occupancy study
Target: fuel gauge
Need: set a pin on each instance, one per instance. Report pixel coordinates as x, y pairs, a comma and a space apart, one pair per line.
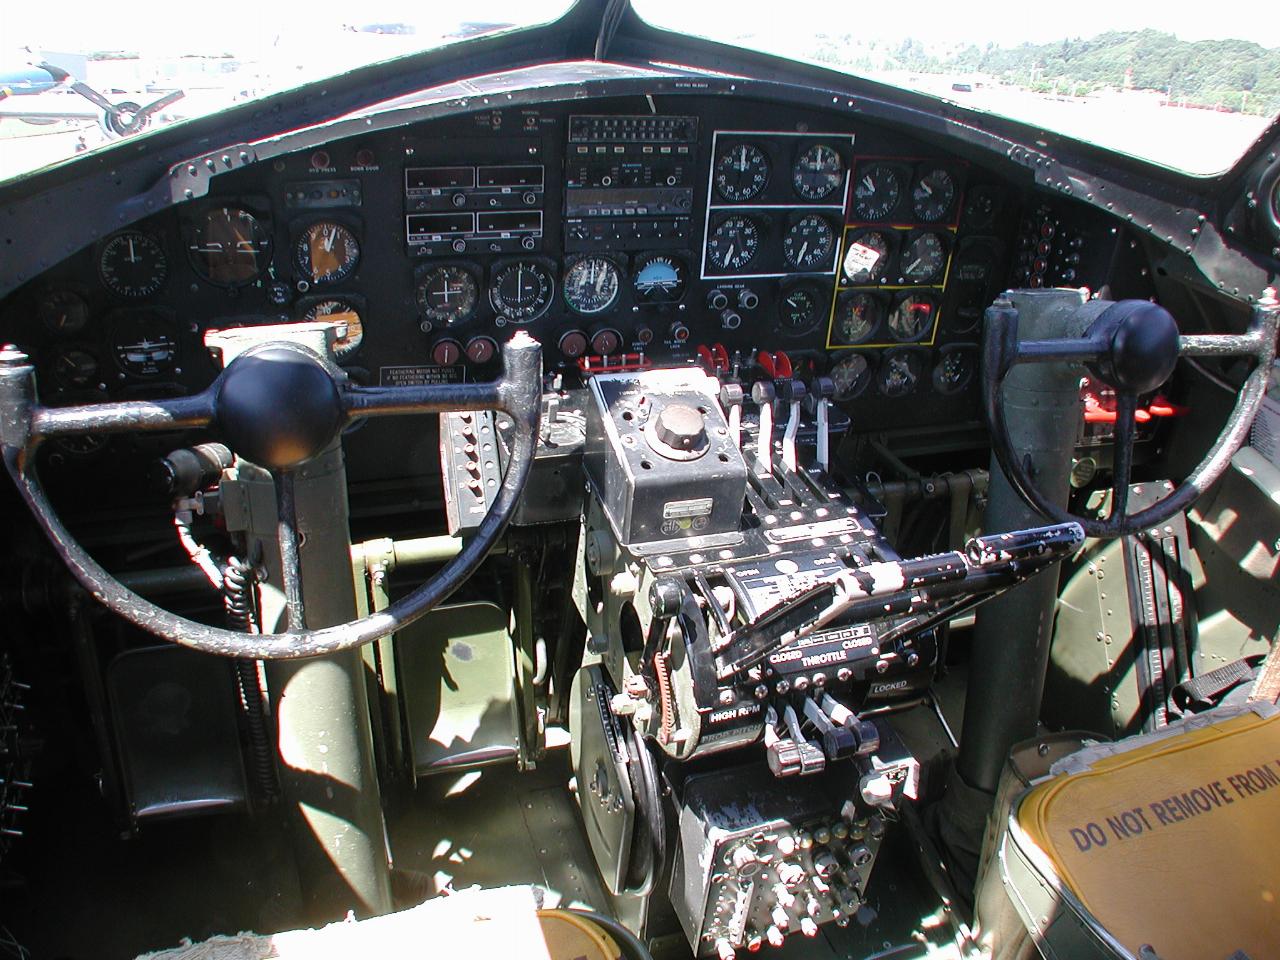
900, 372
851, 376
75, 367
63, 312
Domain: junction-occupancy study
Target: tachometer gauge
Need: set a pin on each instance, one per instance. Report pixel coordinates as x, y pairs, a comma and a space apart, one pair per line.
741, 172
851, 376
933, 195
658, 278
144, 345
857, 315
953, 372
923, 259
591, 285
521, 291
798, 311
343, 312
913, 317
327, 252
132, 265
876, 192
733, 243
63, 312
900, 372
229, 246
75, 367
817, 172
866, 260
448, 295
808, 243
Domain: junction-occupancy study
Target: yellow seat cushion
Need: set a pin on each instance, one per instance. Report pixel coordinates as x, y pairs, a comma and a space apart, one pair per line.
1176, 842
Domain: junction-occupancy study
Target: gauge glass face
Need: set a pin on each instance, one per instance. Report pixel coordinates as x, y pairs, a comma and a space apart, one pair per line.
521, 291
817, 172
658, 278
980, 208
132, 265
733, 243
342, 312
924, 259
913, 317
741, 172
900, 372
851, 376
327, 252
75, 367
144, 346
876, 192
933, 195
857, 315
808, 243
591, 285
448, 295
229, 247
798, 311
63, 312
867, 258
953, 372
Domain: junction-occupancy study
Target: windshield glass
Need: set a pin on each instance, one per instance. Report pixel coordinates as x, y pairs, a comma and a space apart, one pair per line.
1183, 88
76, 76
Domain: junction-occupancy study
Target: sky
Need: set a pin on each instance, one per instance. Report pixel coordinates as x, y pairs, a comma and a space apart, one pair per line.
251, 27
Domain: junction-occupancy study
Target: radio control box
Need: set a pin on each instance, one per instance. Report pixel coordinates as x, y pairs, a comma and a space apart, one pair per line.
660, 458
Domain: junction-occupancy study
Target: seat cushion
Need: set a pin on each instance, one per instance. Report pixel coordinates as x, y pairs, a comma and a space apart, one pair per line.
1173, 839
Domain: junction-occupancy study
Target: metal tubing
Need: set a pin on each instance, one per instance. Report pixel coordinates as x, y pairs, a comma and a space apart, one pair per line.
1011, 635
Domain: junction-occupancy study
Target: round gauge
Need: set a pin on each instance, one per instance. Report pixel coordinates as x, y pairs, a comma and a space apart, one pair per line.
913, 317
63, 312
817, 172
980, 208
343, 312
144, 345
851, 376
808, 243
327, 252
658, 278
924, 258
733, 243
132, 265
448, 295
876, 192
798, 311
75, 367
933, 195
857, 315
229, 246
900, 372
867, 258
953, 372
591, 285
521, 291
741, 172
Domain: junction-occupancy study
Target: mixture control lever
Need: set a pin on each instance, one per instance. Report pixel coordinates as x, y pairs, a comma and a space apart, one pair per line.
792, 392
763, 393
731, 397
821, 390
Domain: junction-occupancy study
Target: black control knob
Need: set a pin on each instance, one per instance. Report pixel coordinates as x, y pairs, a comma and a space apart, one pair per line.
278, 407
680, 426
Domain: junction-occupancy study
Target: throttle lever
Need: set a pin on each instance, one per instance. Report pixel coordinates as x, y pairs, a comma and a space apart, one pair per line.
763, 393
